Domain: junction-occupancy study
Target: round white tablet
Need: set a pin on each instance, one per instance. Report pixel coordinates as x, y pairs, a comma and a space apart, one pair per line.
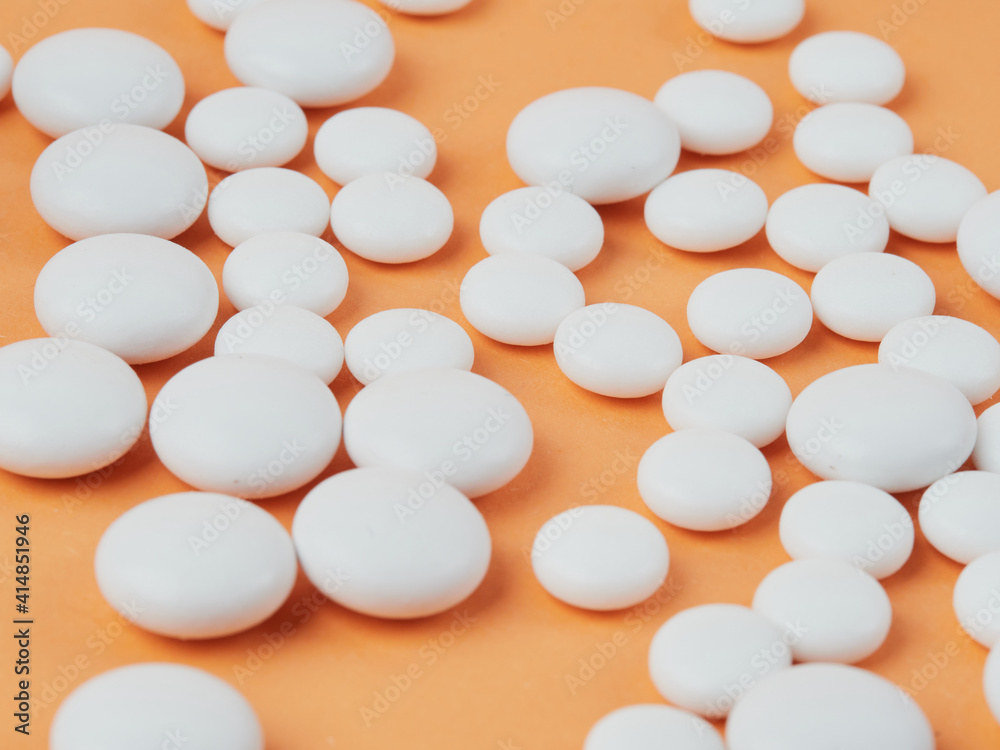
195, 565
145, 705
977, 599
749, 311
372, 140
519, 298
705, 210
986, 455
391, 219
403, 339
288, 268
246, 127
960, 515
848, 521
6, 71
895, 430
845, 706
730, 393
961, 352
652, 727
606, 145
66, 407
617, 350
846, 66
829, 610
391, 543
140, 297
925, 196
318, 52
747, 23
600, 557
991, 682
864, 295
250, 425
979, 243
121, 178
813, 224
267, 199
425, 7
716, 112
451, 425
548, 221
291, 333
219, 15
848, 141
704, 657
83, 77
703, 479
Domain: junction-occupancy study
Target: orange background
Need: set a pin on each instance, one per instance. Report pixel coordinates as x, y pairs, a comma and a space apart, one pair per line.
503, 683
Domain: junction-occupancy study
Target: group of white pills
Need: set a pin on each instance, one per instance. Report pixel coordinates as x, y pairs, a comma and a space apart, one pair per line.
399, 536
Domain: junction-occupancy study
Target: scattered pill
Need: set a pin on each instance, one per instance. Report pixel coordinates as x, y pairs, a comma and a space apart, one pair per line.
979, 243
846, 66
960, 515
425, 7
219, 15
977, 598
986, 455
6, 71
652, 727
747, 23
991, 682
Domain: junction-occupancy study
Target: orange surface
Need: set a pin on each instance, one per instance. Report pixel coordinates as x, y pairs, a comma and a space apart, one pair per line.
516, 677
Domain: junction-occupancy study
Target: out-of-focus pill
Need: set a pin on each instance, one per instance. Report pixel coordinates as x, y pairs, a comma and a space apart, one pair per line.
425, 7
219, 15
960, 515
975, 599
649, 726
986, 455
979, 243
846, 66
747, 23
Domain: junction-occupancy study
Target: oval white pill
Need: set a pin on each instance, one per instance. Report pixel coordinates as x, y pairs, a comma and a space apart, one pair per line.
250, 425
6, 71
979, 243
848, 141
986, 455
895, 430
848, 521
219, 15
451, 425
425, 7
391, 219
748, 23
991, 682
391, 543
749, 311
706, 210
124, 179
600, 557
195, 565
519, 298
605, 145
705, 480
977, 597
846, 66
960, 515
652, 727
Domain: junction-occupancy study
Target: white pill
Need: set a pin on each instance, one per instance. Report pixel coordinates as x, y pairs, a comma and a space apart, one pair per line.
991, 682
139, 704
986, 455
848, 141
836, 705
451, 425
267, 199
979, 243
403, 339
66, 407
291, 333
703, 479
716, 112
652, 727
846, 66
318, 52
519, 298
749, 311
829, 610
747, 23
372, 140
811, 225
195, 565
425, 7
600, 557
605, 145
391, 543
548, 221
976, 599
287, 268
83, 77
391, 219
6, 71
250, 425
730, 393
706, 210
960, 515
864, 295
964, 354
121, 178
219, 15
895, 430
140, 297
246, 127
848, 521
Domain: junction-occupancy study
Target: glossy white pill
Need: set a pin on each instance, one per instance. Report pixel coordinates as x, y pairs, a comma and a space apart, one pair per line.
652, 727
846, 66
976, 599
6, 71
219, 15
991, 682
960, 515
747, 23
986, 455
979, 243
425, 7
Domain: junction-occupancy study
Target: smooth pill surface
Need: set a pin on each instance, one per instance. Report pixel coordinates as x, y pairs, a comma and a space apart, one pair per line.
978, 241
747, 23
986, 455
976, 599
195, 565
652, 727
219, 15
140, 297
991, 682
846, 66
603, 144
6, 71
391, 543
960, 515
425, 7
706, 210
600, 557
